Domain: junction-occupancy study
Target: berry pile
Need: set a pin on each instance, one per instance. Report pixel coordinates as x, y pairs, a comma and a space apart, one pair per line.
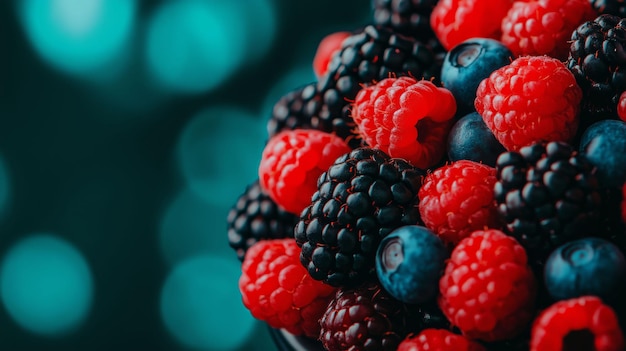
455, 179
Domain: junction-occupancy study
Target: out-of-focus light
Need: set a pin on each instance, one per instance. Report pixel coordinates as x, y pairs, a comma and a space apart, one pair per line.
195, 45
5, 187
293, 79
79, 36
201, 304
219, 152
46, 285
260, 24
191, 226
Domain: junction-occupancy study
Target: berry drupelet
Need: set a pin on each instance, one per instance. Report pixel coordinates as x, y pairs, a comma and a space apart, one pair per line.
362, 198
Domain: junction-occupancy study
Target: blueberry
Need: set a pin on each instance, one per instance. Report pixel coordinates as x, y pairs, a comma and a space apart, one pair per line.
467, 64
470, 139
604, 144
409, 263
588, 266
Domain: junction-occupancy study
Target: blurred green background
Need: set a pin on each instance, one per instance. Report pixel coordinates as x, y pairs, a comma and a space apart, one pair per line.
127, 131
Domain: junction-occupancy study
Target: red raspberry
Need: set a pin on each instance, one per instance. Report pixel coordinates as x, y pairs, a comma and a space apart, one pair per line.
457, 199
405, 118
438, 340
277, 289
454, 21
544, 27
325, 50
582, 323
291, 163
535, 98
621, 107
488, 289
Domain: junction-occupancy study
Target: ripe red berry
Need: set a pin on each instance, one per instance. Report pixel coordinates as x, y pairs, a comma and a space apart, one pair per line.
405, 118
544, 27
278, 290
325, 50
535, 98
621, 107
438, 340
457, 199
454, 21
291, 163
583, 323
488, 289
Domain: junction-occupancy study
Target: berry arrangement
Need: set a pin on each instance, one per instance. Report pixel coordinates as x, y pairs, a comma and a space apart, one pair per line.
454, 179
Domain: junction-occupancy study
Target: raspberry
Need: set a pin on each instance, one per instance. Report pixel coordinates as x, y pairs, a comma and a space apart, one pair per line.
277, 289
457, 199
291, 163
405, 118
488, 289
255, 216
367, 56
454, 21
362, 198
325, 50
583, 323
365, 318
532, 99
543, 27
438, 340
621, 106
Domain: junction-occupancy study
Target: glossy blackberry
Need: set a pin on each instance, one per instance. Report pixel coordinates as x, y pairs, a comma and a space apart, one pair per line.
407, 17
256, 217
366, 57
597, 58
548, 194
300, 109
610, 7
362, 197
365, 318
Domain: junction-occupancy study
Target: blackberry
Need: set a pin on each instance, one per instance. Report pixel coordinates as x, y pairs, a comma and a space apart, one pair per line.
547, 194
362, 197
365, 318
368, 56
407, 17
610, 7
256, 217
597, 58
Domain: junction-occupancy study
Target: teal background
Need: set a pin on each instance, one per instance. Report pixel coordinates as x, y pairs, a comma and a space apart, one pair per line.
116, 174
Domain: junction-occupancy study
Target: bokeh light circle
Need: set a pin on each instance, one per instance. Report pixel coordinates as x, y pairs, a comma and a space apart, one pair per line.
219, 152
79, 36
261, 24
191, 226
195, 45
46, 285
5, 187
201, 304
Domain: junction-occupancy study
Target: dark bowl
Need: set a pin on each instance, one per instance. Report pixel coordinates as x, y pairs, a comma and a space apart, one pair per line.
286, 341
